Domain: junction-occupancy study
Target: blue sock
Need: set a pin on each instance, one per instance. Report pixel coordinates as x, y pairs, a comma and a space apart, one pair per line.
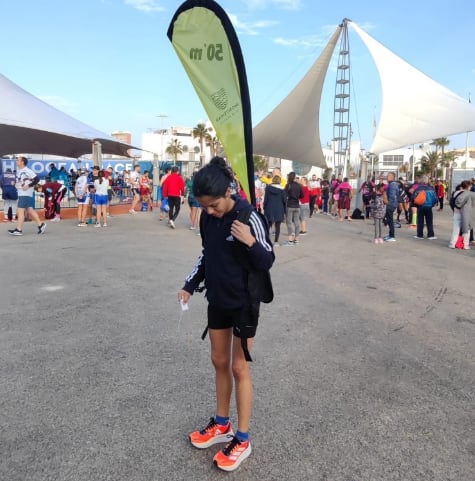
221, 420
242, 437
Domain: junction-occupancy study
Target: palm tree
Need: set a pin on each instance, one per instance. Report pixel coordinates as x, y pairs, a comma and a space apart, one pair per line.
441, 142
429, 163
200, 132
214, 145
174, 149
448, 164
261, 163
404, 169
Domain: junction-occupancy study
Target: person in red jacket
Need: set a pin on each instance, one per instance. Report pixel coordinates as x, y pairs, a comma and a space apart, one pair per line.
173, 190
440, 189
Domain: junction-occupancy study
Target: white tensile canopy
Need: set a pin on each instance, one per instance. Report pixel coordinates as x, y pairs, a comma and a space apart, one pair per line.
415, 108
29, 125
291, 130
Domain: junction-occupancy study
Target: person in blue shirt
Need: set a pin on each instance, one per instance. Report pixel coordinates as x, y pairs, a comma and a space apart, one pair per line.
9, 194
424, 211
393, 200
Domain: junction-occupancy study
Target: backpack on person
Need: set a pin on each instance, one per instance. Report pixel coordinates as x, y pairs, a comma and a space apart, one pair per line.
425, 197
258, 282
431, 198
454, 195
420, 197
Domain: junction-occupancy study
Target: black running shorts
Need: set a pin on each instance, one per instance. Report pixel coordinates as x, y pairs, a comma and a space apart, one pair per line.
243, 321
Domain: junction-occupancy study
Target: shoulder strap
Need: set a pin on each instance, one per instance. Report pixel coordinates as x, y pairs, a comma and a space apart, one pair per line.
455, 198
204, 217
244, 214
258, 283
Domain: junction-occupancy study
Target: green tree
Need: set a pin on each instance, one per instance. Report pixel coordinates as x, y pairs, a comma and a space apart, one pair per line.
446, 162
441, 143
327, 173
404, 169
174, 149
214, 145
429, 163
449, 161
200, 132
261, 163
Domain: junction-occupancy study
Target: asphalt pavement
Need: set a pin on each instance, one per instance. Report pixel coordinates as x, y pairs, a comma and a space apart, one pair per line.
363, 367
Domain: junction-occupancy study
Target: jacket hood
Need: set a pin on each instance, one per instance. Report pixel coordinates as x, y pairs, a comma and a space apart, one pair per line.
240, 204
274, 189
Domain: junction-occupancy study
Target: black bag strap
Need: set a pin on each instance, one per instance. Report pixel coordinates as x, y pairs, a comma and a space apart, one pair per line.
243, 216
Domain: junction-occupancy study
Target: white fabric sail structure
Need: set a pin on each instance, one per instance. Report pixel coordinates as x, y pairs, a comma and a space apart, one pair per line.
291, 130
29, 125
414, 107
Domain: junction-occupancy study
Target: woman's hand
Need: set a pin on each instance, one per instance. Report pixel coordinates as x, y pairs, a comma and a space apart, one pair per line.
242, 232
183, 296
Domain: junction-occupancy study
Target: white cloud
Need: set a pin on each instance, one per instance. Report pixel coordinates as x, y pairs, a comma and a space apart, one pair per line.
250, 28
145, 5
283, 4
288, 4
61, 103
310, 41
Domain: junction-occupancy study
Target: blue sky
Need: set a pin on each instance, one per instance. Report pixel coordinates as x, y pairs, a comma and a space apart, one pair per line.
109, 63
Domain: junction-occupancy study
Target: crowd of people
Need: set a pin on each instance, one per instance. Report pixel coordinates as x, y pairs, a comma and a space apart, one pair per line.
417, 200
386, 203
216, 199
293, 200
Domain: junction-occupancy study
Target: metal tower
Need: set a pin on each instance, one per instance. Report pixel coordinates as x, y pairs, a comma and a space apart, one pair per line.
341, 112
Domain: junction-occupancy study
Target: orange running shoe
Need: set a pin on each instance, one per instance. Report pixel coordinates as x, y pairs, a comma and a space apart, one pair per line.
213, 433
230, 457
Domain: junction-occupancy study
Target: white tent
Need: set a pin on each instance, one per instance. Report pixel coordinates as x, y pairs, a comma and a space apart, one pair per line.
291, 131
29, 125
415, 108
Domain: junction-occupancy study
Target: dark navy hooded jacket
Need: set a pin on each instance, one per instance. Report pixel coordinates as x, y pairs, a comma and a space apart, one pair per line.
218, 267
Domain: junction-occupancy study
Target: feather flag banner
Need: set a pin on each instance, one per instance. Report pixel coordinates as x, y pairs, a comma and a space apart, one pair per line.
207, 46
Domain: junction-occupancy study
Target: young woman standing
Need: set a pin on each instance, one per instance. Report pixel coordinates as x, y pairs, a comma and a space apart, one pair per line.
101, 198
230, 314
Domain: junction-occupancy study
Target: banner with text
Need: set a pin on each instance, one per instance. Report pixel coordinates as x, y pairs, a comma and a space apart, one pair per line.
207, 46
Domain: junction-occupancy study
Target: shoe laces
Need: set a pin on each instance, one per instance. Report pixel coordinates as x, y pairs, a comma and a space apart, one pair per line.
231, 446
211, 425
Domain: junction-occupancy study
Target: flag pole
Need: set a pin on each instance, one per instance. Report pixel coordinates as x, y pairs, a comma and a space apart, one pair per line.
466, 137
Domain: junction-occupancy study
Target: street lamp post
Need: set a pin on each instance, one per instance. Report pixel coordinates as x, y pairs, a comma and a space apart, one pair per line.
161, 117
156, 160
97, 153
413, 163
371, 158
453, 166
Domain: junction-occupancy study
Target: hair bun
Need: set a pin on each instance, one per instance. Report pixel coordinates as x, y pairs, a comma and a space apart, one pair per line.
218, 161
